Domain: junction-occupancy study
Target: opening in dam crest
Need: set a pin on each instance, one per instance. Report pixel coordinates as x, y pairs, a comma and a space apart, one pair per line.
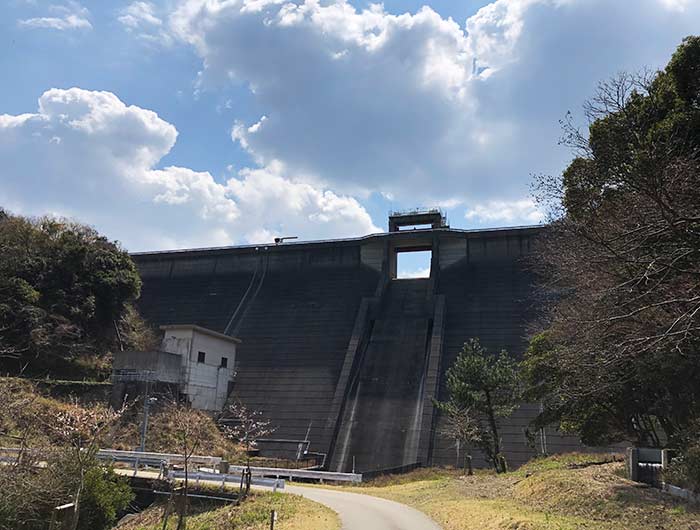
413, 264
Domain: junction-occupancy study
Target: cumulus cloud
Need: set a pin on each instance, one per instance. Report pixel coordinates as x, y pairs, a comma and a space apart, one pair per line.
87, 154
366, 100
523, 212
64, 17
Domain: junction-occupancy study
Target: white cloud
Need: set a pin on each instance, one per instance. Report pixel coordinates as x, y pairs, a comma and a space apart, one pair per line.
522, 212
66, 17
139, 14
144, 20
415, 273
369, 101
87, 154
676, 5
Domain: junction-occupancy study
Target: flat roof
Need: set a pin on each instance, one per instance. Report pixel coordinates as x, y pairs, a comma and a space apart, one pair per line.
200, 329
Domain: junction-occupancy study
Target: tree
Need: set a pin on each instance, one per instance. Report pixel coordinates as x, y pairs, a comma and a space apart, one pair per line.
105, 494
81, 430
190, 431
57, 461
487, 385
64, 291
245, 426
620, 263
16, 415
462, 427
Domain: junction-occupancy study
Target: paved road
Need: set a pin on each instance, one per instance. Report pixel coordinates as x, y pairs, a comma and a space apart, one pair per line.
364, 512
356, 511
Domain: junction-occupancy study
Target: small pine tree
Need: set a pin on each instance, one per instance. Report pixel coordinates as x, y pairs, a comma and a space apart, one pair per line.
489, 387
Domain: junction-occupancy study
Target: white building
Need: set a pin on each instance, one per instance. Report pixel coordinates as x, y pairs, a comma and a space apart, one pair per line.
197, 361
207, 363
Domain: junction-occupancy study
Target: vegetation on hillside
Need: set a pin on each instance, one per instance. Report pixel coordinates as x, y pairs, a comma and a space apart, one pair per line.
28, 409
294, 513
56, 462
66, 435
65, 298
620, 265
566, 492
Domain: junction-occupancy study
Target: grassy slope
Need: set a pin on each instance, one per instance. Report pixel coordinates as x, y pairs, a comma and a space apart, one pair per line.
162, 432
294, 513
548, 494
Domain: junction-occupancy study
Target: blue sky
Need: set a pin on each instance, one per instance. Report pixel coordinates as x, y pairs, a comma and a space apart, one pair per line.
189, 123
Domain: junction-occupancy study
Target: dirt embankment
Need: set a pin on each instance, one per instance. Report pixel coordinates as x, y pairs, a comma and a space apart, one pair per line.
571, 492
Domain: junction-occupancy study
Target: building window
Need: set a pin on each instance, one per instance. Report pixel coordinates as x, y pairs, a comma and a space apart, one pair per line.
224, 362
200, 357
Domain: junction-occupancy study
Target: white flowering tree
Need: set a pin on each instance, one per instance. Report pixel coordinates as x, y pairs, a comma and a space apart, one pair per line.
461, 425
245, 426
80, 430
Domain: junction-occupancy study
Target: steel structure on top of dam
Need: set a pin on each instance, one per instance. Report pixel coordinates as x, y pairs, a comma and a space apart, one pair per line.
343, 358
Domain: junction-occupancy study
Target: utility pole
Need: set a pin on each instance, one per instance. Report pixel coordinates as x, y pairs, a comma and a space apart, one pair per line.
144, 425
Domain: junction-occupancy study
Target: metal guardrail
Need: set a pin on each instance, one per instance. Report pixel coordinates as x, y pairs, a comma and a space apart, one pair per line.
223, 478
145, 456
261, 474
292, 474
132, 457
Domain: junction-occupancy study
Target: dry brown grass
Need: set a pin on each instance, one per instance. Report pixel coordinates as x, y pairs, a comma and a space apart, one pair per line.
36, 407
294, 513
559, 493
163, 435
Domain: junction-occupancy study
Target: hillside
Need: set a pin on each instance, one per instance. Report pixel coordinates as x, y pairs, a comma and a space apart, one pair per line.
573, 492
37, 402
294, 513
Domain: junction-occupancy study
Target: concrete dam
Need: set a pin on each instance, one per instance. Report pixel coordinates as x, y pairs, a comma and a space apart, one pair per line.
342, 357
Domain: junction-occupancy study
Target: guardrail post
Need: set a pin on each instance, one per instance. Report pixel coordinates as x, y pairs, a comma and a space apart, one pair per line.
665, 458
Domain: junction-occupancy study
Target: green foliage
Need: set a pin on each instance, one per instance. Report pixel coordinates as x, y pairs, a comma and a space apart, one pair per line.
684, 470
621, 262
641, 123
63, 289
489, 387
539, 368
684, 68
482, 382
31, 494
593, 414
104, 497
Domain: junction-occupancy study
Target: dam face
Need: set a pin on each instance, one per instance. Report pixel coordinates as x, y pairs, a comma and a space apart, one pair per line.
341, 357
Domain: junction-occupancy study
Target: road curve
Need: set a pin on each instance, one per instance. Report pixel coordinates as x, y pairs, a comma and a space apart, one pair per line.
364, 512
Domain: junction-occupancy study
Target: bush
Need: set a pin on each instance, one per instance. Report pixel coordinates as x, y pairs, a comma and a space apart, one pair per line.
684, 470
30, 495
64, 289
104, 497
